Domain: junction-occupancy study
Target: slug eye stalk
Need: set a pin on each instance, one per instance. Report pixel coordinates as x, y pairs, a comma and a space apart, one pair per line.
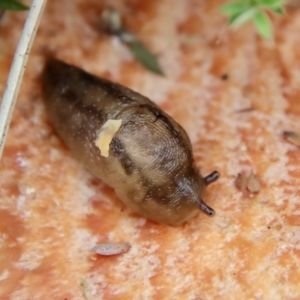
206, 209
211, 177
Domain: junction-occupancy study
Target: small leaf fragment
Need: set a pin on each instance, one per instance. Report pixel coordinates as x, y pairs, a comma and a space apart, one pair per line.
234, 8
249, 183
142, 54
85, 289
111, 22
253, 184
109, 249
279, 11
13, 5
246, 109
292, 137
263, 24
241, 182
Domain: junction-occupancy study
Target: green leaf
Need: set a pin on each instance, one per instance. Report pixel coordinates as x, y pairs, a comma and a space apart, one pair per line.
272, 3
234, 8
12, 5
145, 57
263, 25
279, 11
141, 53
240, 19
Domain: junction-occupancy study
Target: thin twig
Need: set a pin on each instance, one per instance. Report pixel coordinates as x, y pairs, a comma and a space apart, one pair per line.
17, 69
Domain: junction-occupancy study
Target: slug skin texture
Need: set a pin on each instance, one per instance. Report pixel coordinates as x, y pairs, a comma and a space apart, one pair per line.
150, 163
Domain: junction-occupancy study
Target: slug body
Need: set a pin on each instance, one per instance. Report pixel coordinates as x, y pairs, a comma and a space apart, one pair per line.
150, 163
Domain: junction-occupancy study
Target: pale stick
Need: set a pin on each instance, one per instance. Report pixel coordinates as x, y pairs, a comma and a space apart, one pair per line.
17, 69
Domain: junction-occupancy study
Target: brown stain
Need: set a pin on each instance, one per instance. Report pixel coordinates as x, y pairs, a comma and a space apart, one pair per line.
289, 63
293, 100
250, 254
5, 66
134, 73
46, 276
138, 13
98, 223
293, 156
191, 25
287, 261
91, 12
13, 229
10, 188
292, 220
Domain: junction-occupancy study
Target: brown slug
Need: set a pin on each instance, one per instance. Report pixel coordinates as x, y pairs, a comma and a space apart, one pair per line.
149, 163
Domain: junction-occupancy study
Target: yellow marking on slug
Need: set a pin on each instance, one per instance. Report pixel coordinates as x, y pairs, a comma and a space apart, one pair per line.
106, 134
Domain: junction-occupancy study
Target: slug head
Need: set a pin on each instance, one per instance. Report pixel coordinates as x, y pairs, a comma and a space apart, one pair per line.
162, 180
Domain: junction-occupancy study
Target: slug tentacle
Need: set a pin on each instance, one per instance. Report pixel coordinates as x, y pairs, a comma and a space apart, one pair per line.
127, 141
206, 209
212, 177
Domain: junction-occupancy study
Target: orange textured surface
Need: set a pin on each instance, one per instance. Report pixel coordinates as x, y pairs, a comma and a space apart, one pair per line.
52, 212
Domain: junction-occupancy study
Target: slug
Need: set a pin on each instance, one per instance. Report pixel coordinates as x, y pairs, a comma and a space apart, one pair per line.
149, 160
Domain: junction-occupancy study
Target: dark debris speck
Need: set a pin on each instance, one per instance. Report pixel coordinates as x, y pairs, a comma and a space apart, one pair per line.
225, 77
